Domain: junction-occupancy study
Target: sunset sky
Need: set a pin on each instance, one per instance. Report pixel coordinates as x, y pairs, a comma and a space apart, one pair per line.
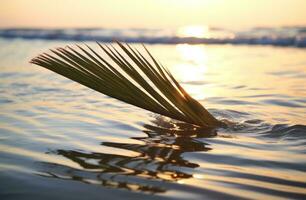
151, 13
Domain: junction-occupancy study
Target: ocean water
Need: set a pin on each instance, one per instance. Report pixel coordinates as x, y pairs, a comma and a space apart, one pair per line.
281, 36
60, 140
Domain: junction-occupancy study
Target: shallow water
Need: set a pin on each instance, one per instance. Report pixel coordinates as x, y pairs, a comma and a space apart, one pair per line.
61, 140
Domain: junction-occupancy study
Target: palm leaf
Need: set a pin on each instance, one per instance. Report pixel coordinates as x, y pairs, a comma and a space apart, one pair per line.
130, 78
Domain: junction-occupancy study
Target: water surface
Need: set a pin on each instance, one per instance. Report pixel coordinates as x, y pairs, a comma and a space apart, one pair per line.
61, 140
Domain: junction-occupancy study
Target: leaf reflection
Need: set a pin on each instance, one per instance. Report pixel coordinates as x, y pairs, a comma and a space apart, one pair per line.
160, 159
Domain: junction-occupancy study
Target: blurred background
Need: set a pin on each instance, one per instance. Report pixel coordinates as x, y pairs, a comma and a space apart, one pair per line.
276, 22
151, 13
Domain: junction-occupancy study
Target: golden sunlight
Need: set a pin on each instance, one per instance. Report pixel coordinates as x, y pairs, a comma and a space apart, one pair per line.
193, 66
142, 14
194, 31
192, 53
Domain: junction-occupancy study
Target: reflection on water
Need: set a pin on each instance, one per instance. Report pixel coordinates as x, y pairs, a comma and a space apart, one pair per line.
92, 139
160, 159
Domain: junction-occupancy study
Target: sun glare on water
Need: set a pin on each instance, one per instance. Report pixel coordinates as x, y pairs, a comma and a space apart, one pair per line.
192, 68
194, 31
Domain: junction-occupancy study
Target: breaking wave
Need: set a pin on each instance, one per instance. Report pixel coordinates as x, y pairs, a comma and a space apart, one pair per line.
284, 36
